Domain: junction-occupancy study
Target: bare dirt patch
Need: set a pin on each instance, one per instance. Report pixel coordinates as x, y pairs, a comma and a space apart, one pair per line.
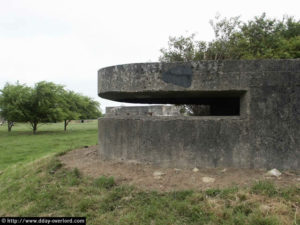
142, 176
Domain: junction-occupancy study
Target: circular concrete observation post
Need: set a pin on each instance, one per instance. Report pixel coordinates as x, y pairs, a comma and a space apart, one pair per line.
253, 119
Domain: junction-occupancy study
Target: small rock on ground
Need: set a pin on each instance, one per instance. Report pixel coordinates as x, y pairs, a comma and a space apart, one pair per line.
208, 179
158, 174
195, 169
274, 173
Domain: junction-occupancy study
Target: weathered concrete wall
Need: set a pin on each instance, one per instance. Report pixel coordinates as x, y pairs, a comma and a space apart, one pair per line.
274, 122
176, 141
154, 110
265, 134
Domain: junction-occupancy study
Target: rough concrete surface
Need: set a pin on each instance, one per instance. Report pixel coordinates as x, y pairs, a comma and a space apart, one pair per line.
256, 103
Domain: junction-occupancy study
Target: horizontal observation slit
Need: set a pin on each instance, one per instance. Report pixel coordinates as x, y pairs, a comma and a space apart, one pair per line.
214, 107
196, 103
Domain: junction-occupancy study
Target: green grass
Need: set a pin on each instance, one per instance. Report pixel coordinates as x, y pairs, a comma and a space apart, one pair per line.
104, 182
21, 146
39, 185
45, 188
264, 187
269, 189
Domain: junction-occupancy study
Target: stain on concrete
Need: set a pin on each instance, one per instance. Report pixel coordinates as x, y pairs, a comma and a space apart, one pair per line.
179, 75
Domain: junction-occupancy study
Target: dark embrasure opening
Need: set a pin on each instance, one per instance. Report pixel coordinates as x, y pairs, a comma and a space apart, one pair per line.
214, 103
214, 107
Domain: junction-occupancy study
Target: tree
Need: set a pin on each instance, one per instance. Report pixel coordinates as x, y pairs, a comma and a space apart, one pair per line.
45, 104
260, 38
11, 101
71, 105
183, 49
89, 109
77, 106
270, 38
42, 103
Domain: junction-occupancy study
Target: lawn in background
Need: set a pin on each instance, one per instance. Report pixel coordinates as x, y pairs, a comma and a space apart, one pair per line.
22, 146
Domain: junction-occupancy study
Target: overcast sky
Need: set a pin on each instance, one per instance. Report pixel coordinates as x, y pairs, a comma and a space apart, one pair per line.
67, 41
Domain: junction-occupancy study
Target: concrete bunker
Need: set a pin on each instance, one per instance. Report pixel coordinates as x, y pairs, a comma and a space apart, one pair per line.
251, 119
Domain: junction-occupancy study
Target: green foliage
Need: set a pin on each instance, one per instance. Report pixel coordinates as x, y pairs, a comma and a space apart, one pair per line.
89, 108
260, 38
77, 106
12, 100
183, 49
71, 103
42, 103
45, 102
270, 38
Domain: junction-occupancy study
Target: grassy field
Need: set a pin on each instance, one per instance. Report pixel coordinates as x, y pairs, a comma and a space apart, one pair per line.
22, 146
37, 184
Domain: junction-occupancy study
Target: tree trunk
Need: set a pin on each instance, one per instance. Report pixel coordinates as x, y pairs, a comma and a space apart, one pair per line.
66, 124
34, 127
9, 125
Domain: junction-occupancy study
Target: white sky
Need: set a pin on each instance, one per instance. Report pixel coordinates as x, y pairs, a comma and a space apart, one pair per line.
67, 41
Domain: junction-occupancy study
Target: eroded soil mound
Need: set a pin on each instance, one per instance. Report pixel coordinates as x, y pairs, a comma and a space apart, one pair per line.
149, 177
